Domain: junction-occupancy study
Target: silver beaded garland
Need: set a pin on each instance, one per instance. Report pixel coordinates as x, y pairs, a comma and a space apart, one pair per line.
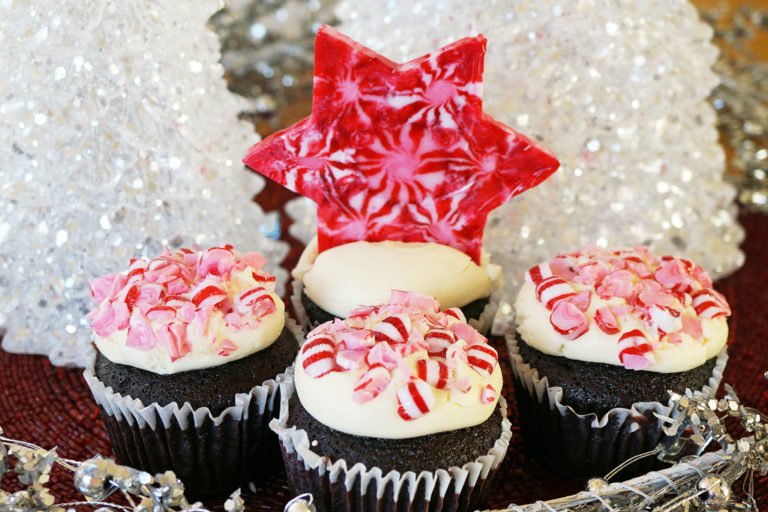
714, 493
92, 479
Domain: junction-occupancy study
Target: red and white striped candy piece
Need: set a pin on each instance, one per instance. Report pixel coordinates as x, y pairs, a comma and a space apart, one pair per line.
207, 295
635, 352
263, 277
318, 356
710, 304
433, 372
488, 394
581, 300
568, 320
672, 274
538, 273
456, 313
350, 359
482, 358
414, 400
393, 329
552, 290
371, 384
438, 341
226, 348
606, 320
257, 301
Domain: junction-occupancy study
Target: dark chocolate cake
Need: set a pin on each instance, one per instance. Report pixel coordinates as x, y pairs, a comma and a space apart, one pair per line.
213, 387
599, 387
425, 453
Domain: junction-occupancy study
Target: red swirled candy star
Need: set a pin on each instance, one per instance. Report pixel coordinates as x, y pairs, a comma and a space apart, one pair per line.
401, 151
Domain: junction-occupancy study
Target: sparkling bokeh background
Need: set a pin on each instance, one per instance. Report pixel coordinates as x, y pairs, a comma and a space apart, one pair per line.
118, 137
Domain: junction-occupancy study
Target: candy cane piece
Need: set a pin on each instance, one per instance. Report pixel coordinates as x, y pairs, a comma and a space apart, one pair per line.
371, 384
552, 290
414, 400
488, 394
433, 372
482, 358
438, 341
317, 356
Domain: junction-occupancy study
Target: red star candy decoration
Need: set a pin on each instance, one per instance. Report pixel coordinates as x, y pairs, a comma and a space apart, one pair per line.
401, 151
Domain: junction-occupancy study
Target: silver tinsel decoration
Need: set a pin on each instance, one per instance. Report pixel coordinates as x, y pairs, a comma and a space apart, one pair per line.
118, 137
618, 90
95, 479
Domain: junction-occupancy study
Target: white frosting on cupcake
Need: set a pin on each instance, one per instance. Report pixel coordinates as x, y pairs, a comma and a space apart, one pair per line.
187, 310
623, 307
347, 276
399, 370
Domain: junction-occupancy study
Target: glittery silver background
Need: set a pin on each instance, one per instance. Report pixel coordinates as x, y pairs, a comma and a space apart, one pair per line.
118, 136
617, 89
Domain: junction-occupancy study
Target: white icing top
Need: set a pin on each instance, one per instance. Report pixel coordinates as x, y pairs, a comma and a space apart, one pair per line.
623, 306
187, 310
399, 370
346, 276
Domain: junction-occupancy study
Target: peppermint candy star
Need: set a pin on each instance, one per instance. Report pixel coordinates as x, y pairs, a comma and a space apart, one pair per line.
401, 151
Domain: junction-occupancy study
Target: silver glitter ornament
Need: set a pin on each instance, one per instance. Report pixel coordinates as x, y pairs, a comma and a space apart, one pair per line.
618, 90
168, 491
713, 493
118, 137
93, 480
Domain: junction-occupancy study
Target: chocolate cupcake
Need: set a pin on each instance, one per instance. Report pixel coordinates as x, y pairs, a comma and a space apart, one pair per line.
397, 407
331, 284
191, 347
603, 335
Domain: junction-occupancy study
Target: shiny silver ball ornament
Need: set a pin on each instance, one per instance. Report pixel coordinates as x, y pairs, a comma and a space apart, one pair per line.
92, 481
714, 493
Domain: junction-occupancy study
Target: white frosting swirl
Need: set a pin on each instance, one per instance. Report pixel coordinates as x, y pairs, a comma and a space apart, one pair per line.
187, 311
330, 393
346, 276
677, 336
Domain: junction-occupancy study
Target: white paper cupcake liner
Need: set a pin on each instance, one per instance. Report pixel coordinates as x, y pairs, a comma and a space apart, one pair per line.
297, 285
339, 486
583, 445
212, 454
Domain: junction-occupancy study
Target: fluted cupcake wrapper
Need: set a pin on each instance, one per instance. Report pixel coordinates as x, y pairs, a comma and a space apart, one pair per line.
585, 445
482, 323
212, 455
297, 285
339, 486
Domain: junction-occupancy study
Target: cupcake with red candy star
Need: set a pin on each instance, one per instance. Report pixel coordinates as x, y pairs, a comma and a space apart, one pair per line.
191, 346
405, 167
603, 335
394, 408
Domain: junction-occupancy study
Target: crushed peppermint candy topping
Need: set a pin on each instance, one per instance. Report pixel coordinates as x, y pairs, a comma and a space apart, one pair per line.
377, 339
668, 296
401, 151
169, 300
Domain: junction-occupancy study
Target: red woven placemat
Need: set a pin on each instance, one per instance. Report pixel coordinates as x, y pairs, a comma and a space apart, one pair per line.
52, 406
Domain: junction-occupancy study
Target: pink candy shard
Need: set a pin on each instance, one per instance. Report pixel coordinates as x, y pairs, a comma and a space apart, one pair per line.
401, 151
